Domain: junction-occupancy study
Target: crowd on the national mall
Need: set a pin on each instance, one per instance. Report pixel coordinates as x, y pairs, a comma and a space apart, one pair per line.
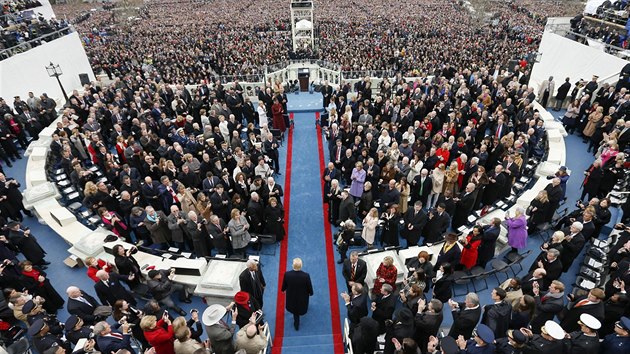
163, 166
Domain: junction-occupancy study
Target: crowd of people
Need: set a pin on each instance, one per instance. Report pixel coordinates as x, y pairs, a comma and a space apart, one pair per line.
16, 6
210, 46
195, 169
23, 31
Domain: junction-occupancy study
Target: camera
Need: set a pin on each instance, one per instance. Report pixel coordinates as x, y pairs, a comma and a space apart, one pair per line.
133, 250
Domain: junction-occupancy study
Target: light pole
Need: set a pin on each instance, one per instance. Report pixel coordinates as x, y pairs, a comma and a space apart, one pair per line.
54, 70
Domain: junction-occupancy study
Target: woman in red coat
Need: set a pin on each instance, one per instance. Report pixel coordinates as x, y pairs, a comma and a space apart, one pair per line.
471, 245
278, 118
385, 274
159, 334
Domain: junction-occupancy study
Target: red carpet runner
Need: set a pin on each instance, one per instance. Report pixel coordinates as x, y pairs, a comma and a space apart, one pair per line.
284, 245
330, 256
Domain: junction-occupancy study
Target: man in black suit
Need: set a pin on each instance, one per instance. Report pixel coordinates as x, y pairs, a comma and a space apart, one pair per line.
338, 154
488, 244
82, 305
414, 221
111, 341
497, 315
593, 304
450, 252
548, 305
464, 206
421, 187
151, 193
534, 279
383, 306
555, 195
466, 315
354, 270
428, 321
500, 130
209, 183
255, 214
356, 304
298, 287
327, 92
437, 224
217, 229
552, 266
109, 289
347, 210
572, 245
252, 281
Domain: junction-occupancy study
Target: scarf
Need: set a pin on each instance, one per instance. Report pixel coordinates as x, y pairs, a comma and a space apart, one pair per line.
152, 218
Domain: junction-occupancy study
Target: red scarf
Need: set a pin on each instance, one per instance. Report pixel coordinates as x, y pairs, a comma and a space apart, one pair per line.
33, 274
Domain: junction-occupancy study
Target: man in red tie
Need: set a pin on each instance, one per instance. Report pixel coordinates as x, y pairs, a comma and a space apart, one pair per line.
111, 341
591, 304
354, 270
168, 192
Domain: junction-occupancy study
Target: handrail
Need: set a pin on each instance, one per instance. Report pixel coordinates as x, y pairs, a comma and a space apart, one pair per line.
24, 46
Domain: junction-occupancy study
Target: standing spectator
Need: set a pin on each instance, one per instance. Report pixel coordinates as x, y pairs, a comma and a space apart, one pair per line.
497, 315
219, 333
466, 315
561, 95
548, 304
238, 226
298, 287
470, 247
488, 242
252, 281
159, 333
517, 229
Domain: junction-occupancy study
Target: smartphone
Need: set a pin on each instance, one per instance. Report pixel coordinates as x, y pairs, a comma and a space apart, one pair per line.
259, 316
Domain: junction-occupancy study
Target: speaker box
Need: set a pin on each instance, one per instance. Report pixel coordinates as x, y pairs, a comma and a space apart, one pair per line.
84, 78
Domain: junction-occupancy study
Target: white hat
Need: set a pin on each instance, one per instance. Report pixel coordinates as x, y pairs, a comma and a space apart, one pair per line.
553, 329
590, 321
213, 314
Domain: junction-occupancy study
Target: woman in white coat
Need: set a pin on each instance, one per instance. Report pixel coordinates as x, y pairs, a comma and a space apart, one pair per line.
370, 222
262, 114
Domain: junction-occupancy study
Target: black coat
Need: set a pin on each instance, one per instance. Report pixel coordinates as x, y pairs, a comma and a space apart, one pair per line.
486, 249
359, 274
357, 308
452, 256
464, 321
417, 221
347, 209
497, 317
427, 324
436, 227
113, 291
442, 288
83, 310
384, 310
298, 287
255, 287
28, 245
463, 207
571, 314
546, 310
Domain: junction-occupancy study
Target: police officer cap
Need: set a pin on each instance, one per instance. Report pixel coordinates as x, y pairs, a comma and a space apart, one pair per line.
449, 346
554, 330
28, 307
624, 322
590, 321
485, 333
36, 327
71, 322
517, 336
52, 350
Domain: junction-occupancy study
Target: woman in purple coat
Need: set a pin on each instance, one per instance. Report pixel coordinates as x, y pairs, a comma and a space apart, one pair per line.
358, 179
517, 229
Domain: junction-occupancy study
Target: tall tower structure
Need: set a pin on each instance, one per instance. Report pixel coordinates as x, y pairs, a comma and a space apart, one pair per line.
302, 28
